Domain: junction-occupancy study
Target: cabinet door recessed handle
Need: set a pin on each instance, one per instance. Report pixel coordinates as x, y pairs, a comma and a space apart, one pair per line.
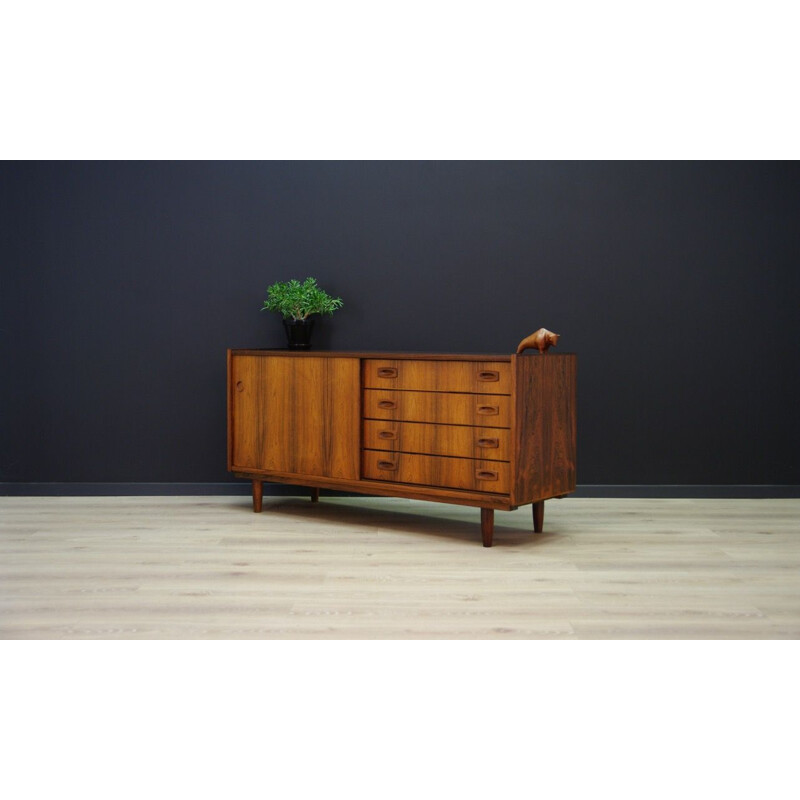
387, 372
486, 475
485, 442
489, 375
387, 435
486, 410
239, 386
389, 465
387, 404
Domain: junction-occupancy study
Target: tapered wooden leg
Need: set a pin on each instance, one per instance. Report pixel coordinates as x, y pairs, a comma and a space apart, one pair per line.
258, 490
487, 526
314, 495
538, 516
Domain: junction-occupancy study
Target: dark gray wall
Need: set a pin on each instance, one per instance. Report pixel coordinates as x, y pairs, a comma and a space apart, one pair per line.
676, 283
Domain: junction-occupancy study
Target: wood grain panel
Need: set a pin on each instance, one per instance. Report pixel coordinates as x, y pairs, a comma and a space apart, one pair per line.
448, 408
270, 352
455, 473
295, 415
545, 429
438, 440
488, 377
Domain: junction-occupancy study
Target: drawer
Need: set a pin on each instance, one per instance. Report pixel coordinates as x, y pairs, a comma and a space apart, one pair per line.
437, 440
451, 473
488, 377
449, 408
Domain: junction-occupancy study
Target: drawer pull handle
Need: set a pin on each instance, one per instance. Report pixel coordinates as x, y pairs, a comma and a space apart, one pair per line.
387, 404
488, 443
387, 372
389, 465
489, 375
239, 386
486, 475
487, 410
387, 435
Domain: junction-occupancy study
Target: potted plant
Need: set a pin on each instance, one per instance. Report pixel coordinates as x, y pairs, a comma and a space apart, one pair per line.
296, 302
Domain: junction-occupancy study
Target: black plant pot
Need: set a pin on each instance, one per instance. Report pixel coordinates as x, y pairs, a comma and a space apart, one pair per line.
298, 333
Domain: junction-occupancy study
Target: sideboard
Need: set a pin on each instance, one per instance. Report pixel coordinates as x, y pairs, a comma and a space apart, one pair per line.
491, 431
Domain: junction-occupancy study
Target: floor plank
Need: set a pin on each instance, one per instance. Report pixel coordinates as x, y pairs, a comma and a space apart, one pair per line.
357, 568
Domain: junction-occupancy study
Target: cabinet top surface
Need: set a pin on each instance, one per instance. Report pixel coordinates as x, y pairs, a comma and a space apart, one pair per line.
385, 355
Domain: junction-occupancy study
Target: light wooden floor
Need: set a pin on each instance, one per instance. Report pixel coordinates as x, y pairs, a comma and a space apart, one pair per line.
347, 568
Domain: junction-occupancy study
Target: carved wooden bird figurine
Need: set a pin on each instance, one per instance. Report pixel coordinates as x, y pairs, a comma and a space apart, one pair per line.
541, 340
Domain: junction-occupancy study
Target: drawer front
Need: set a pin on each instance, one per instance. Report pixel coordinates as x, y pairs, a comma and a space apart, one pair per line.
488, 377
437, 440
449, 408
449, 473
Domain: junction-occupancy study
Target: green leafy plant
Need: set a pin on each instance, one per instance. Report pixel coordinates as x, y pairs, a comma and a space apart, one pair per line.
295, 300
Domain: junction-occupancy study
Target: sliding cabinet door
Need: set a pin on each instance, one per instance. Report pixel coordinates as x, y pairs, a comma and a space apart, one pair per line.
295, 415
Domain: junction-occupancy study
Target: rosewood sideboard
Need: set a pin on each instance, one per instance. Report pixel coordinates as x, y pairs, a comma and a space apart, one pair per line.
494, 432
